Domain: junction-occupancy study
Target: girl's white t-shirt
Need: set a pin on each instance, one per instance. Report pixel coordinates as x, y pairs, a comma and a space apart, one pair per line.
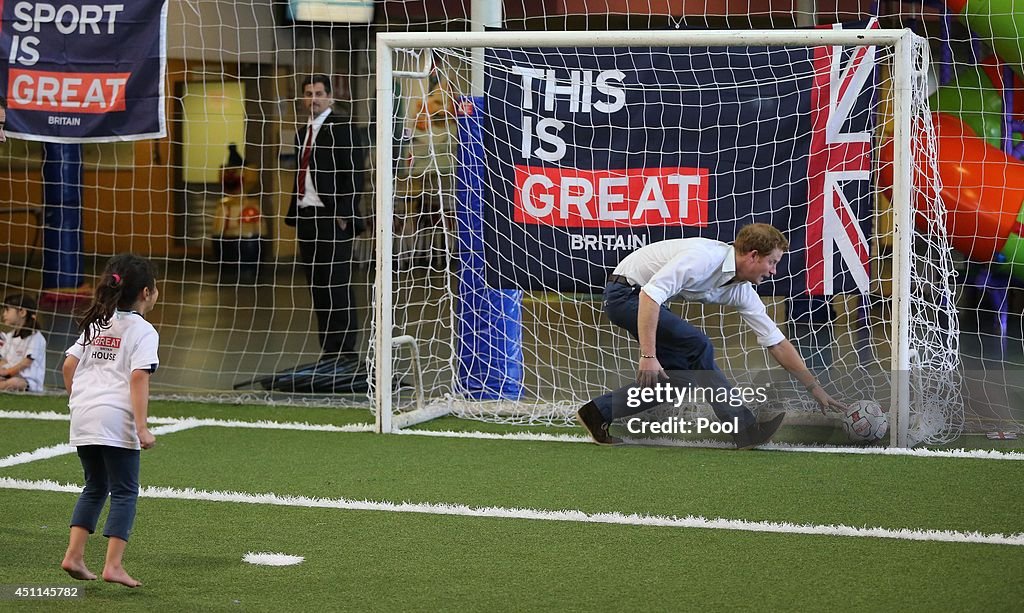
15, 349
101, 404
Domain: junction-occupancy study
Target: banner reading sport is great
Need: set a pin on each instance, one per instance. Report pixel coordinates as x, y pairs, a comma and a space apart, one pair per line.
81, 71
592, 153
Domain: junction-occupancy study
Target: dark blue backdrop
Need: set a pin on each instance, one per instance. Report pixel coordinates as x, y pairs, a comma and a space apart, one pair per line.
742, 115
83, 71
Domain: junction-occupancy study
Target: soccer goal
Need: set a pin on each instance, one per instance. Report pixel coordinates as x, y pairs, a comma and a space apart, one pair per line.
504, 202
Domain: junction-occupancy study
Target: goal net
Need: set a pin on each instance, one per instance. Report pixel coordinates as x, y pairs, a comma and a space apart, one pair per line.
501, 214
198, 169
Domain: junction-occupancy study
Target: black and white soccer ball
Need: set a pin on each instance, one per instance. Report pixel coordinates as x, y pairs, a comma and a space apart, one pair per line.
865, 422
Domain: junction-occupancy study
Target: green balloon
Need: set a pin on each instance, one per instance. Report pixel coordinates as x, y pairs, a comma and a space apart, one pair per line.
974, 100
1001, 24
1013, 252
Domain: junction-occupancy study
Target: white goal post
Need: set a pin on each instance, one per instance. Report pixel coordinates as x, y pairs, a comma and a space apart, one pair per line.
909, 352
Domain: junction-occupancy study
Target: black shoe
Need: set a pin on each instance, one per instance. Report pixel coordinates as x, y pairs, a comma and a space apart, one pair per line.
591, 419
758, 434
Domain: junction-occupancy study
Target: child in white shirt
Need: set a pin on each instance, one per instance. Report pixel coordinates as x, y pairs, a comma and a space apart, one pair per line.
23, 348
106, 373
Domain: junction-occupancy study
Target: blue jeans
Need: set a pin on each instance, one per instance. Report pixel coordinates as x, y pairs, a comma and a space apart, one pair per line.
108, 470
685, 352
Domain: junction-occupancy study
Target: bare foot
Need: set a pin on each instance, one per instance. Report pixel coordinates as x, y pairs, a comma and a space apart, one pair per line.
77, 570
119, 575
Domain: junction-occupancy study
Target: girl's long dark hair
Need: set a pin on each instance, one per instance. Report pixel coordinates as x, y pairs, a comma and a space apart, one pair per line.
124, 278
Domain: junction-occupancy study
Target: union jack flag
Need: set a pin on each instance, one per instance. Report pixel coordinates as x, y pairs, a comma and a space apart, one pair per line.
838, 156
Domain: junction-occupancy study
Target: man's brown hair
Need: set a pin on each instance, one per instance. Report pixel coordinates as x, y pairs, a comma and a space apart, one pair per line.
760, 237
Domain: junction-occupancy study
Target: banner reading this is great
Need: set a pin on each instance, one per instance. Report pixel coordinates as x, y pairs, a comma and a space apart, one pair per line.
592, 153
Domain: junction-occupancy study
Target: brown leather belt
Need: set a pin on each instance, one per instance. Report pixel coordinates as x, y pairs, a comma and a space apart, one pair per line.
621, 280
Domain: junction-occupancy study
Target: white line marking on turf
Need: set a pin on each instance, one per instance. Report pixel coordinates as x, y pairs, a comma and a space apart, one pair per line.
274, 425
264, 558
38, 454
946, 536
977, 454
40, 415
53, 451
982, 454
507, 436
194, 422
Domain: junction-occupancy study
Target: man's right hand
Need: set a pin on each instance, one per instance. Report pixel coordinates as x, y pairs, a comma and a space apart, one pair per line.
649, 372
827, 402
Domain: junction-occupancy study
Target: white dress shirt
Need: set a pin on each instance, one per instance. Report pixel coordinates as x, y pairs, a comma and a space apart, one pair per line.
699, 270
311, 198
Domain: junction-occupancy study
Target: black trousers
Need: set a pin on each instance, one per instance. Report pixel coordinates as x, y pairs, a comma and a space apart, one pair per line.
326, 252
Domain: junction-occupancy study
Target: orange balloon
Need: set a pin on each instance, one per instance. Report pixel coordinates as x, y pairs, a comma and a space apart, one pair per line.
982, 188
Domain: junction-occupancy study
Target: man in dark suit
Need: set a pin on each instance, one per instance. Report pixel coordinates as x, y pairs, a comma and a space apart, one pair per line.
324, 211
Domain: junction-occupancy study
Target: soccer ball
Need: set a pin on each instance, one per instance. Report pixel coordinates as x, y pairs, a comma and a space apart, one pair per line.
865, 422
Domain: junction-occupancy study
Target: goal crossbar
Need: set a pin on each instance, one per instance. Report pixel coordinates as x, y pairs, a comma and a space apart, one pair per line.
673, 38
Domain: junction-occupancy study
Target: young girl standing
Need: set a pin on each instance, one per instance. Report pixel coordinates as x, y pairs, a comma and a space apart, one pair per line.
23, 349
106, 373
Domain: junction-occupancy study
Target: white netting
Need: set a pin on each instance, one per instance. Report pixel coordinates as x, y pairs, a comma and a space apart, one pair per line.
938, 413
235, 305
570, 353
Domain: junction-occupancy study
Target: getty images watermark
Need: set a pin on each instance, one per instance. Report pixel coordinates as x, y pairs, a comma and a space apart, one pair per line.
676, 396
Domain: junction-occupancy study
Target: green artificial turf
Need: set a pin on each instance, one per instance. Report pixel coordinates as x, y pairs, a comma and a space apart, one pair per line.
189, 553
189, 557
33, 402
20, 435
206, 410
760, 485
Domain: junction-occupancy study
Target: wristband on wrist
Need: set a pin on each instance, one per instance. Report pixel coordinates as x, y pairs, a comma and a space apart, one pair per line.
652, 357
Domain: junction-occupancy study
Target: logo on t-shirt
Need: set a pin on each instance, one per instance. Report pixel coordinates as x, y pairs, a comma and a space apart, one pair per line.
105, 342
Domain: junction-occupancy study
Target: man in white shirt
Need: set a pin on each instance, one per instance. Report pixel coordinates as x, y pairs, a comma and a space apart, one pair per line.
699, 270
325, 213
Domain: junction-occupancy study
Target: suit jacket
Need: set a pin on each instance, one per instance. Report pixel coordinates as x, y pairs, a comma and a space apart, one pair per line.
337, 168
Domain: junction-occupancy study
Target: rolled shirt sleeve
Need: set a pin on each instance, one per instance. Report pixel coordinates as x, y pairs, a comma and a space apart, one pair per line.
753, 311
